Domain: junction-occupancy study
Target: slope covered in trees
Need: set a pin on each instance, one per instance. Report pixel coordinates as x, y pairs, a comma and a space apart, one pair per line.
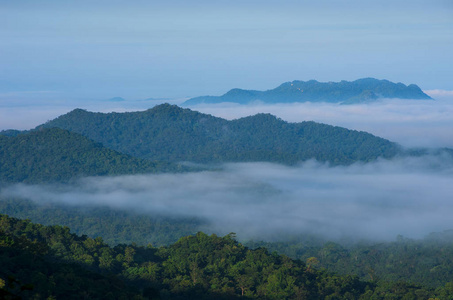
57, 155
40, 262
345, 92
427, 261
113, 225
170, 133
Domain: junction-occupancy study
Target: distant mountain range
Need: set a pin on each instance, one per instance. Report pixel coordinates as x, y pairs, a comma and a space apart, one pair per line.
116, 99
346, 92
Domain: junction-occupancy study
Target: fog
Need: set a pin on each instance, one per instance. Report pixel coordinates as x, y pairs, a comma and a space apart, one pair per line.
23, 111
411, 123
376, 201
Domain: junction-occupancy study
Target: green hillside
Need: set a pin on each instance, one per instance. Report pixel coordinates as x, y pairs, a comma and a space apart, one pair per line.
58, 155
42, 262
425, 261
170, 133
113, 225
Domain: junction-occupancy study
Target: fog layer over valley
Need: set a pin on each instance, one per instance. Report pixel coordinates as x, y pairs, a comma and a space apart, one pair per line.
411, 123
376, 201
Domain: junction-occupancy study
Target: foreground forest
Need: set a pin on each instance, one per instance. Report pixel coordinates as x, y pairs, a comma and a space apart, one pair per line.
49, 262
427, 262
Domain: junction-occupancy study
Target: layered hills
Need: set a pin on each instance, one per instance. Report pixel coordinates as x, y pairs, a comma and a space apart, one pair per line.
345, 92
173, 134
56, 154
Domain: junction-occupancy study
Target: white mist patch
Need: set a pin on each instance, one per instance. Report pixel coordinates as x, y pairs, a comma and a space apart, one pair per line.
411, 123
379, 200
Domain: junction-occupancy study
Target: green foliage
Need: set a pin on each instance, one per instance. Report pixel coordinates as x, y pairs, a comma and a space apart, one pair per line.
37, 264
114, 226
56, 263
170, 133
424, 262
428, 261
58, 155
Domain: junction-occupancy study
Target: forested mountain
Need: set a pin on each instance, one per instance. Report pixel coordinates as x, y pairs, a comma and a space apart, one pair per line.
113, 225
170, 133
345, 92
40, 262
426, 262
58, 155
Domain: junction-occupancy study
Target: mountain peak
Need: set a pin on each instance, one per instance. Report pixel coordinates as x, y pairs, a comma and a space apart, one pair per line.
116, 99
171, 133
359, 91
166, 108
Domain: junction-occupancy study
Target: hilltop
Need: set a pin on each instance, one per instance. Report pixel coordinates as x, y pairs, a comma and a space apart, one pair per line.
346, 92
173, 134
55, 154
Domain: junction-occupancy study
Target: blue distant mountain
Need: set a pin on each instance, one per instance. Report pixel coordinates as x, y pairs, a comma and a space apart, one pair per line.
346, 92
116, 99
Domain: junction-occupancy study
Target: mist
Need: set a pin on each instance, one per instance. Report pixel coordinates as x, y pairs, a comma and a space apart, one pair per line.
375, 201
24, 111
411, 123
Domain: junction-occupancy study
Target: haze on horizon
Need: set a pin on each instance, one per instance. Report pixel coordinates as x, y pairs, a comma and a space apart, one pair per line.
411, 123
54, 51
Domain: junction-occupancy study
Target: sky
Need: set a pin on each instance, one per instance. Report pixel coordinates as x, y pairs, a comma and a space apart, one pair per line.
55, 51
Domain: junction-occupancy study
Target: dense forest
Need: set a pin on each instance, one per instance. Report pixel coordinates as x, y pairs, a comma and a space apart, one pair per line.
345, 92
49, 262
59, 155
113, 225
114, 254
427, 262
170, 133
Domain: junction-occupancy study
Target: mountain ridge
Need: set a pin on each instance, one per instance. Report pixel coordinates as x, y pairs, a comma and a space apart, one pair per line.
345, 92
174, 134
54, 154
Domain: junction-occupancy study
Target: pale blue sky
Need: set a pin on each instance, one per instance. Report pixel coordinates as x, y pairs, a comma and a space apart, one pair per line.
140, 49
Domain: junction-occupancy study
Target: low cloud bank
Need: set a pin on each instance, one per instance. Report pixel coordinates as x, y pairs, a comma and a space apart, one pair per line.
27, 113
411, 123
377, 201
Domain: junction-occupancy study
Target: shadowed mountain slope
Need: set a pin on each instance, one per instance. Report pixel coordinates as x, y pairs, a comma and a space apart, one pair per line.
170, 133
55, 154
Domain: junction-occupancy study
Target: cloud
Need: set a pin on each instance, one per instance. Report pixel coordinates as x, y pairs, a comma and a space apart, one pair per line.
411, 123
439, 93
408, 196
26, 110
